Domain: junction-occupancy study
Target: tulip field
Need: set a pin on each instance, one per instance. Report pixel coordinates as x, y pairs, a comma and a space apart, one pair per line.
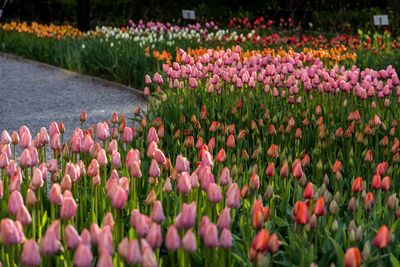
243, 157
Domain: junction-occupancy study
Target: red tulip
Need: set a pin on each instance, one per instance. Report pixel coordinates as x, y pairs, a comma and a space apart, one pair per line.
273, 243
337, 167
382, 237
270, 170
308, 191
352, 258
369, 198
273, 151
385, 185
368, 156
301, 213
357, 185
297, 171
230, 143
284, 170
260, 242
319, 207
376, 182
221, 156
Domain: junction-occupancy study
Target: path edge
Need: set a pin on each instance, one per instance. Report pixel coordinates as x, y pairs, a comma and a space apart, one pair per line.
84, 77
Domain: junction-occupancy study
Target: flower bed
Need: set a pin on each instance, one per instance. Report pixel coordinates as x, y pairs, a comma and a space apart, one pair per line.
237, 161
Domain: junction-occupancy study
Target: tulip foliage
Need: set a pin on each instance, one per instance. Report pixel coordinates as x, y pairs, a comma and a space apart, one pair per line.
265, 160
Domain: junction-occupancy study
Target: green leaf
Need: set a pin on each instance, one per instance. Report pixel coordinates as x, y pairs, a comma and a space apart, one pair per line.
395, 262
339, 251
281, 222
395, 225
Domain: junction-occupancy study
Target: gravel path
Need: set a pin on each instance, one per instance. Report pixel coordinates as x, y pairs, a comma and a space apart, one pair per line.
35, 95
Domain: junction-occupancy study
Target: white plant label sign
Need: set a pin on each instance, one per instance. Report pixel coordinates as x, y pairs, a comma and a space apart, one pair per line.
381, 20
188, 14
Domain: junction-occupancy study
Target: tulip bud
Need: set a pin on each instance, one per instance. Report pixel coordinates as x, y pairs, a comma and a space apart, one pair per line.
366, 253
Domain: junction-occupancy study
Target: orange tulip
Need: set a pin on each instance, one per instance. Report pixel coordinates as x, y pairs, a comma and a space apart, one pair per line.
352, 258
382, 237
357, 185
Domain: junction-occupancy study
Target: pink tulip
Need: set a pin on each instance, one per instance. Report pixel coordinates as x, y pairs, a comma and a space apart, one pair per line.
53, 129
102, 158
30, 199
159, 156
116, 160
103, 132
23, 215
10, 234
83, 256
210, 238
108, 221
93, 168
5, 137
233, 197
72, 237
152, 135
118, 199
184, 183
34, 156
104, 259
134, 255
132, 156
127, 136
214, 193
26, 139
87, 144
225, 240
182, 164
151, 148
224, 220
147, 254
11, 168
154, 237
134, 170
94, 233
172, 239
44, 136
68, 208
142, 225
25, 159
189, 242
49, 243
154, 171
66, 183
157, 214
105, 240
15, 201
85, 236
37, 179
224, 178
4, 160
30, 255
